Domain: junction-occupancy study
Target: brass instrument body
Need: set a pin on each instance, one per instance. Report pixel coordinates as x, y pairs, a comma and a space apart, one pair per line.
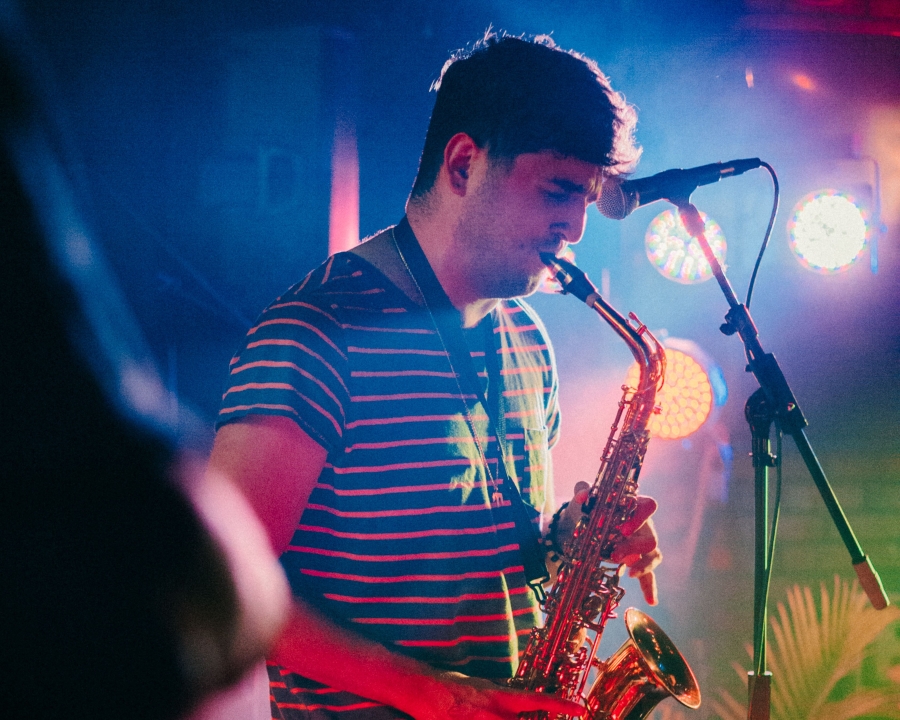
587, 592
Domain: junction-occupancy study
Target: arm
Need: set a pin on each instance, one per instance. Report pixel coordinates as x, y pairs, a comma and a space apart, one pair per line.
277, 465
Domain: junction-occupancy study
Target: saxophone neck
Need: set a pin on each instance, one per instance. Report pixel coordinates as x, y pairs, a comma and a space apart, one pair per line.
645, 348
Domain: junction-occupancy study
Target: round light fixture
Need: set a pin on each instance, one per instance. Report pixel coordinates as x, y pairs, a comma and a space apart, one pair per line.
678, 256
688, 394
827, 231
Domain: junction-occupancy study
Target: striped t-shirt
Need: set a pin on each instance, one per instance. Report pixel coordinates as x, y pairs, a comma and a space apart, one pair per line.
405, 537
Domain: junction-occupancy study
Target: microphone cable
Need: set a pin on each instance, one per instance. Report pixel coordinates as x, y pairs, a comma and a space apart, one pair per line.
765, 242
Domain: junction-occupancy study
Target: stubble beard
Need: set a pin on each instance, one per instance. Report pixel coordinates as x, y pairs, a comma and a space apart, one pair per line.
491, 275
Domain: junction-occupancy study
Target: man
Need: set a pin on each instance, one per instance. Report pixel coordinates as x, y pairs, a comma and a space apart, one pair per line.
350, 424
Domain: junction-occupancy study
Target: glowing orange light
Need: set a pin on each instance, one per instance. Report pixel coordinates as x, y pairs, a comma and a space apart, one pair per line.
804, 82
686, 397
748, 76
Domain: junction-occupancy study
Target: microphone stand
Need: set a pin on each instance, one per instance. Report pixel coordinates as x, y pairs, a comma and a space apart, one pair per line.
773, 402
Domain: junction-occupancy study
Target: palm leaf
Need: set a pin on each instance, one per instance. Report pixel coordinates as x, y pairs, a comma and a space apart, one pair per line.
811, 650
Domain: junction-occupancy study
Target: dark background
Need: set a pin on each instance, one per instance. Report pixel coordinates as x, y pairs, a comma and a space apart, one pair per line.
202, 134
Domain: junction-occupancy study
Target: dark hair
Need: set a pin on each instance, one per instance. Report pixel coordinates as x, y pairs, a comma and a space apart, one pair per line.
515, 96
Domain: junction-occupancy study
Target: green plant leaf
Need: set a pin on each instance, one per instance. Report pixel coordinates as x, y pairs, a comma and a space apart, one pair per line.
811, 649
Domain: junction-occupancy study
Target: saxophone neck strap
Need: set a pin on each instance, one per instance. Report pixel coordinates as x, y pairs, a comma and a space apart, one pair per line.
448, 323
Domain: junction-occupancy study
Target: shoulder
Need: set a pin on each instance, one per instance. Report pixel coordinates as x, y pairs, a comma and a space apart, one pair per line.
341, 274
343, 285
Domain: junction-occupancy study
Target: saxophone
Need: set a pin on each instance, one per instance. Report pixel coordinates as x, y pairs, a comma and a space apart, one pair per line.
647, 668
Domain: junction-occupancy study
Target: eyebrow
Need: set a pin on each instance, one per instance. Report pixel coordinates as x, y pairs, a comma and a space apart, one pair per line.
574, 188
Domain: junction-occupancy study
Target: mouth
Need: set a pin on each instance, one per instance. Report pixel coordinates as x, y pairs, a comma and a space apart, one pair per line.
556, 249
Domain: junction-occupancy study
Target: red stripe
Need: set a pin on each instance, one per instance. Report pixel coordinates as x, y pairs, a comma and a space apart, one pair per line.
399, 513
317, 691
258, 406
406, 331
411, 396
446, 532
521, 413
526, 391
456, 641
525, 370
298, 303
411, 419
412, 578
523, 348
302, 284
266, 406
395, 351
403, 466
401, 373
342, 293
399, 558
466, 440
439, 621
442, 487
300, 346
328, 267
284, 386
331, 708
454, 600
288, 321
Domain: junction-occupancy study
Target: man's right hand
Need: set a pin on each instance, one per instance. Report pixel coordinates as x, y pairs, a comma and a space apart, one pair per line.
461, 696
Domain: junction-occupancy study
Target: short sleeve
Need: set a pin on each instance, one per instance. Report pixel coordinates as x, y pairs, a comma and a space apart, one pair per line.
292, 364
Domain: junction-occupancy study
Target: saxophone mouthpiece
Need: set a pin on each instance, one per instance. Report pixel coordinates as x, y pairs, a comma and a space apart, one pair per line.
573, 280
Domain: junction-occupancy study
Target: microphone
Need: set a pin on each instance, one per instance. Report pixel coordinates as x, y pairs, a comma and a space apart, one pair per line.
619, 199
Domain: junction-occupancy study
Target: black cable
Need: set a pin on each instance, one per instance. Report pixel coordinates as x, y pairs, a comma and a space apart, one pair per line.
765, 242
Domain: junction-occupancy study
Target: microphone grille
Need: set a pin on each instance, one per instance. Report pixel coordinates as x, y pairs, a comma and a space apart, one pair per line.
613, 203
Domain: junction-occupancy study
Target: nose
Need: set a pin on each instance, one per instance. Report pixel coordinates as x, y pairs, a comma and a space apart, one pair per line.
572, 221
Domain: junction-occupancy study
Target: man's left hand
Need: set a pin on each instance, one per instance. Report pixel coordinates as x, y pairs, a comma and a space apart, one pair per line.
638, 550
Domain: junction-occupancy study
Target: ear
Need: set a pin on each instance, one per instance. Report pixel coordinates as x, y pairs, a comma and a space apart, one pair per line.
460, 153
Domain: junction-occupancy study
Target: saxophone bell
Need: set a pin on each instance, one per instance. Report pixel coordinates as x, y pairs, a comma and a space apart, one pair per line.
646, 669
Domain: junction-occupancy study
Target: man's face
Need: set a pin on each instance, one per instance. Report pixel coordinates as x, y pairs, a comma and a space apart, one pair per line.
513, 213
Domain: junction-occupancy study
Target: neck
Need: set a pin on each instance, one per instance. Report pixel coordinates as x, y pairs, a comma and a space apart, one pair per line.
435, 237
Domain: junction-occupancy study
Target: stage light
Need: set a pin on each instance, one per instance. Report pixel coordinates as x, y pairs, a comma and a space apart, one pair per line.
676, 255
693, 388
827, 231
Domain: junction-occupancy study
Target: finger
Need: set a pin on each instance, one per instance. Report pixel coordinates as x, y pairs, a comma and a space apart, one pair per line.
647, 582
573, 509
520, 701
644, 508
641, 543
644, 564
581, 491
